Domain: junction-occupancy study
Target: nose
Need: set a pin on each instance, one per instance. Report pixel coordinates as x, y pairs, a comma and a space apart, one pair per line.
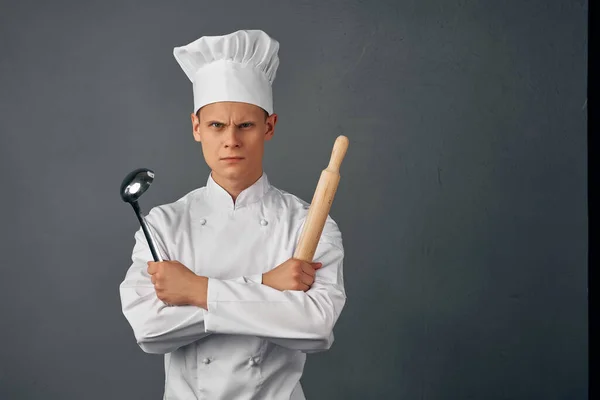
231, 138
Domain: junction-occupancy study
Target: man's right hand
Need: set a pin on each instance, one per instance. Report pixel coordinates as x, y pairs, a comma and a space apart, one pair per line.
293, 274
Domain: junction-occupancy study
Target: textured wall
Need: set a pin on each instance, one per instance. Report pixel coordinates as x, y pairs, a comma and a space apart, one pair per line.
462, 201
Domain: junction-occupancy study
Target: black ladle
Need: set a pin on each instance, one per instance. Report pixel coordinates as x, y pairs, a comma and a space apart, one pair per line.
132, 188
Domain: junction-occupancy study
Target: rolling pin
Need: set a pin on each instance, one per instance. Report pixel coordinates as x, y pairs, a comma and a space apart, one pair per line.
321, 203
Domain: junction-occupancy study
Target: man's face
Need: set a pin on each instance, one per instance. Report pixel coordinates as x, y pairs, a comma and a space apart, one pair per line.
232, 136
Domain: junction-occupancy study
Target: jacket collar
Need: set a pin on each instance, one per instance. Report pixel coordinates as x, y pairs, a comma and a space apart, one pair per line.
220, 199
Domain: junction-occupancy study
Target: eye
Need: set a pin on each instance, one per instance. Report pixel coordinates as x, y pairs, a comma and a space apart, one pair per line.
246, 125
216, 124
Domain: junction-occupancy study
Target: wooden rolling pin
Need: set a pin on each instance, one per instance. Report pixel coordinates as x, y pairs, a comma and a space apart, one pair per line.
321, 203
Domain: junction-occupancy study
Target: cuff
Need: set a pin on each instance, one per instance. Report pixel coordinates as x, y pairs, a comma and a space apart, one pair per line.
255, 278
212, 298
212, 295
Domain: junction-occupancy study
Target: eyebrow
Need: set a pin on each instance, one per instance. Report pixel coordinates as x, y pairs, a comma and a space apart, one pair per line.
216, 121
243, 121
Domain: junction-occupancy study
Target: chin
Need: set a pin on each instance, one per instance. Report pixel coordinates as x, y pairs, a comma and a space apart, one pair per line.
232, 173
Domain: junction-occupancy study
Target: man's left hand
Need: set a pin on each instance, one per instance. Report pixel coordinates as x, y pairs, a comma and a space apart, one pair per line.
177, 285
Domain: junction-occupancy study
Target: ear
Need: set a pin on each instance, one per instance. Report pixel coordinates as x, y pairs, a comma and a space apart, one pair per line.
271, 122
196, 127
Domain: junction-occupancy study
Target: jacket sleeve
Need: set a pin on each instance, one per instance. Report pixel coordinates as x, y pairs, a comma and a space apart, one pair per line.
293, 319
158, 328
305, 345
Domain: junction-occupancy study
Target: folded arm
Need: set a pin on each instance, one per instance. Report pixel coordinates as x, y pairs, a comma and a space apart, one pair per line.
157, 327
293, 319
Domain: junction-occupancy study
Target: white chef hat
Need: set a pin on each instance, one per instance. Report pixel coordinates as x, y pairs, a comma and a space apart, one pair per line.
240, 66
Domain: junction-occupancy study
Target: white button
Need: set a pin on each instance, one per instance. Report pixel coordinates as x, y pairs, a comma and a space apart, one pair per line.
263, 222
206, 361
253, 361
202, 221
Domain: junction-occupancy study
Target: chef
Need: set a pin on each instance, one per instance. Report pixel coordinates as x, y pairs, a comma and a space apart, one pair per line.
233, 313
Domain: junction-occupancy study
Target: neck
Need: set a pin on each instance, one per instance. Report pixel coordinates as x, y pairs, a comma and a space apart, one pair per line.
236, 186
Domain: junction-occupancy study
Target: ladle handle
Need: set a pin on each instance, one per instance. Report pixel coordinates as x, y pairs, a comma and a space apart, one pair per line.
147, 233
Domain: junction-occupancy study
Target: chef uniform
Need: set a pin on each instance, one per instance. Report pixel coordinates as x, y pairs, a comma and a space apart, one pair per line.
252, 341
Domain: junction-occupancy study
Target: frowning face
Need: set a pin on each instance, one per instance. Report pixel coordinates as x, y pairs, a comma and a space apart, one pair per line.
233, 137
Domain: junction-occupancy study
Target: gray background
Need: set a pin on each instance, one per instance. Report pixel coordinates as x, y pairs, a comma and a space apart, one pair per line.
462, 200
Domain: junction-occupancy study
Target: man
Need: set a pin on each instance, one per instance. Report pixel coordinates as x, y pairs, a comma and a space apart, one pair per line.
233, 313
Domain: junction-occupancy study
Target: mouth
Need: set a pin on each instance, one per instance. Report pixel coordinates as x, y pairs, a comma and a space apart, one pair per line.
232, 159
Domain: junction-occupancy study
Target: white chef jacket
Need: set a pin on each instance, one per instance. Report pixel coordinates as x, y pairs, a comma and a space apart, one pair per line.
252, 341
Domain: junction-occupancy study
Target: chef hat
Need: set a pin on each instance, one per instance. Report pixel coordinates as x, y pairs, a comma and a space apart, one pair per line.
240, 66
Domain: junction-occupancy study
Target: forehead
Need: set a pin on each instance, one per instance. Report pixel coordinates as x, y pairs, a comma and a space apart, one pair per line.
230, 109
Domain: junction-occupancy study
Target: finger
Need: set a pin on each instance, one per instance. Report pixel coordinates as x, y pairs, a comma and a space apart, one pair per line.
308, 269
307, 279
305, 287
153, 267
301, 286
316, 265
